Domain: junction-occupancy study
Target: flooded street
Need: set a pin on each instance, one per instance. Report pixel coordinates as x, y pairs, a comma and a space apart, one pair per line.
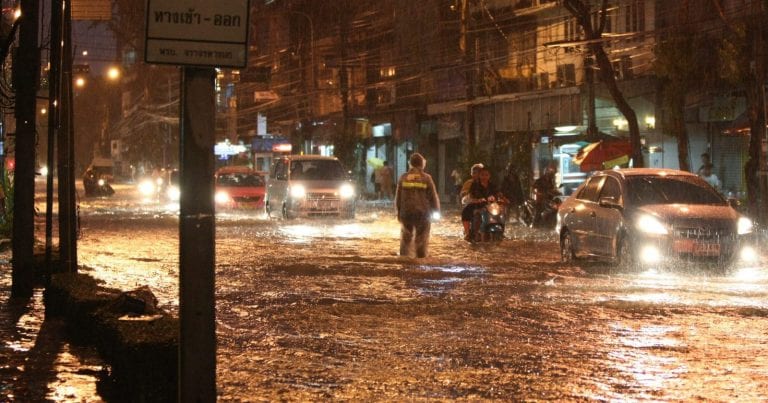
325, 310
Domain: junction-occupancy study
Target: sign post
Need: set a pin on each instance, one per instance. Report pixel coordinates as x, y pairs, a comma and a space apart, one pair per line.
200, 35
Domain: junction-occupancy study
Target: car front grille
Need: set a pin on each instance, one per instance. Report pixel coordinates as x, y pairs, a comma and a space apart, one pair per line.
322, 196
704, 234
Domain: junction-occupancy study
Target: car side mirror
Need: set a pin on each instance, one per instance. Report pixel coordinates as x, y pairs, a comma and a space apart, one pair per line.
609, 202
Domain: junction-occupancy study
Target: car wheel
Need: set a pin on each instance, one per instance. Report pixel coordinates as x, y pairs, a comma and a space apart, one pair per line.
625, 259
567, 253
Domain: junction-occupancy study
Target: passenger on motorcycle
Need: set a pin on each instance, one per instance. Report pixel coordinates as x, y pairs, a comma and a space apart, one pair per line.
466, 215
482, 192
544, 190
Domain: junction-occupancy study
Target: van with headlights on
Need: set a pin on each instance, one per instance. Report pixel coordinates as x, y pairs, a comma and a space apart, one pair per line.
308, 186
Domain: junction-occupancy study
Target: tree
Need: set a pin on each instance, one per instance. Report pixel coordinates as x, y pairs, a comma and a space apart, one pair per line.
150, 125
583, 12
743, 56
684, 61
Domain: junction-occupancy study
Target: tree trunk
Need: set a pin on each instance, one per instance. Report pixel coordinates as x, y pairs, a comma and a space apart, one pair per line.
677, 104
605, 70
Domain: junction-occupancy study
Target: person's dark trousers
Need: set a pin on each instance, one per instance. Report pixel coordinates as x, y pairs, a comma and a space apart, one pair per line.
414, 231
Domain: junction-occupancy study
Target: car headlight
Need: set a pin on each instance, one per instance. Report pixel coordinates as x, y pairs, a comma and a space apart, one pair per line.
221, 197
101, 182
298, 191
346, 191
651, 225
147, 188
744, 225
174, 193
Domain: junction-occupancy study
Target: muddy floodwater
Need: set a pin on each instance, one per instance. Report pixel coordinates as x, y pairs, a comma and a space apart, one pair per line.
326, 310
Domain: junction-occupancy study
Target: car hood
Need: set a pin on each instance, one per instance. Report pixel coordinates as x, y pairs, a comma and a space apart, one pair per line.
686, 215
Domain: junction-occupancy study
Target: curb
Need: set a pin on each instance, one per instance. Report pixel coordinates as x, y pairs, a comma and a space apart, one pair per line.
139, 344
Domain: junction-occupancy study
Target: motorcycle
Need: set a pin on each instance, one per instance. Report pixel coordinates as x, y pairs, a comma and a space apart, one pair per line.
548, 215
489, 221
97, 187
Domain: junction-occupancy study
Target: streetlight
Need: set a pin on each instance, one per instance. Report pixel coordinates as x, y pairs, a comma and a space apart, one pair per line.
113, 73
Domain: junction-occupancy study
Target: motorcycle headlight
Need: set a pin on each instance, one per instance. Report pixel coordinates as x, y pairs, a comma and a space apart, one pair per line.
493, 209
101, 182
221, 197
147, 188
651, 225
744, 226
346, 191
159, 181
298, 191
436, 216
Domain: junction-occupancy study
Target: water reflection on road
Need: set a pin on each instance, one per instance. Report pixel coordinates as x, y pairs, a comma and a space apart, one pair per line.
319, 309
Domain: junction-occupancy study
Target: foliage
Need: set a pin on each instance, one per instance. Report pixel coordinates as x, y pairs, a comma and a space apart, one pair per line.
683, 63
6, 215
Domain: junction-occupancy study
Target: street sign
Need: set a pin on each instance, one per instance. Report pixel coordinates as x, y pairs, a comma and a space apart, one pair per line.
197, 32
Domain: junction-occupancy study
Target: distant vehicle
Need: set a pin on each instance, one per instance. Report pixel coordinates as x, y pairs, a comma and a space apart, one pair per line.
239, 187
643, 217
97, 178
309, 185
162, 185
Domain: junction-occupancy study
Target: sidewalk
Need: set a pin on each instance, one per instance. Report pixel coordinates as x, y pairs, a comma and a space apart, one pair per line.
36, 362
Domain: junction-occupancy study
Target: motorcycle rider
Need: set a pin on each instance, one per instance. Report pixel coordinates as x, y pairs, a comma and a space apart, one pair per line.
89, 181
512, 189
466, 213
482, 192
415, 201
544, 189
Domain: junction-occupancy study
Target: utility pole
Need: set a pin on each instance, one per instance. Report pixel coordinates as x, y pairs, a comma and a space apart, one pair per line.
26, 79
66, 141
469, 73
54, 105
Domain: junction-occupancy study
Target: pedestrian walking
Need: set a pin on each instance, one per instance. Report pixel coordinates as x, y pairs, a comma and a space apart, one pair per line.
415, 201
384, 176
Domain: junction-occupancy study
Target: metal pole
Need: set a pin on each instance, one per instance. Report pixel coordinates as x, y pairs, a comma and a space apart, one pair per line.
54, 103
197, 340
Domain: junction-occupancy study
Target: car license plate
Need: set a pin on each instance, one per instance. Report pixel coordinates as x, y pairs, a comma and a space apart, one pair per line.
324, 205
697, 248
706, 249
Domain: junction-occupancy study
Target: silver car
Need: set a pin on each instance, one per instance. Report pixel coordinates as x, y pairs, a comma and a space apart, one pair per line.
646, 217
309, 185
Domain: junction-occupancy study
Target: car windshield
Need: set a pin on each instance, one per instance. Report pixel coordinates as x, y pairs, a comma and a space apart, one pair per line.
240, 180
317, 170
671, 190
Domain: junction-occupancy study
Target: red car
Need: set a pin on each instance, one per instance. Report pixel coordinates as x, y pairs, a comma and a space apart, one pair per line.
239, 187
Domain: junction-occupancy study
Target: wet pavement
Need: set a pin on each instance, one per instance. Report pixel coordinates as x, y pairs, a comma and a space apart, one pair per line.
326, 310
